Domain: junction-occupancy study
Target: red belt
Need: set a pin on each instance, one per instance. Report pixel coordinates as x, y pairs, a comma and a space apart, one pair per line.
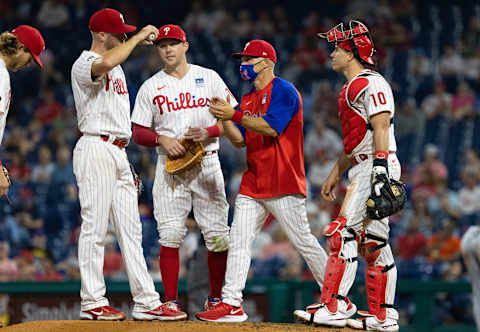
121, 143
362, 156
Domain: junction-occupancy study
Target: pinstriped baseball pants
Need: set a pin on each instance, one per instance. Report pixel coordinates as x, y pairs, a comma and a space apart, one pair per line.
250, 214
107, 193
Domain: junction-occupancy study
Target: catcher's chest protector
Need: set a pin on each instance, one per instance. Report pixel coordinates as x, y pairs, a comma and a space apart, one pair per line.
353, 122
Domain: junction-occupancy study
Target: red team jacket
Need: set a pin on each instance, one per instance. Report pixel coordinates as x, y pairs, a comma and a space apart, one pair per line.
275, 164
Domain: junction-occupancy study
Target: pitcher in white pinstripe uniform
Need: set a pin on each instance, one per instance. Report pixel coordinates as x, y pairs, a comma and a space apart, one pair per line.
106, 185
270, 125
175, 103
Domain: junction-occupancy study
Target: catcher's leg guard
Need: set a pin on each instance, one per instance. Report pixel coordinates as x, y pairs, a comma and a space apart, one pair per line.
341, 264
380, 279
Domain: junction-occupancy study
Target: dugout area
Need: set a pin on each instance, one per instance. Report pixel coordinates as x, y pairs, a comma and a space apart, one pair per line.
186, 326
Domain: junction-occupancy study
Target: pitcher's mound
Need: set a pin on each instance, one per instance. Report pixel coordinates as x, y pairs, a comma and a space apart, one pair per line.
186, 326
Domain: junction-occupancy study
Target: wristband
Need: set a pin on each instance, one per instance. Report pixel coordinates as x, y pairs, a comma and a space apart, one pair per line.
237, 117
213, 131
380, 154
1, 163
380, 162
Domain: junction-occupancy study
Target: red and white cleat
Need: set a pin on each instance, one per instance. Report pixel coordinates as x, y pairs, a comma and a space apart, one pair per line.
223, 312
162, 312
103, 313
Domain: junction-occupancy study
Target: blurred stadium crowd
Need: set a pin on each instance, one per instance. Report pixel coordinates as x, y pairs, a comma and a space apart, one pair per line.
430, 52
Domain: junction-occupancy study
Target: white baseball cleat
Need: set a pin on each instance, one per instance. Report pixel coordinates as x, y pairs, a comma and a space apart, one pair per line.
321, 316
372, 324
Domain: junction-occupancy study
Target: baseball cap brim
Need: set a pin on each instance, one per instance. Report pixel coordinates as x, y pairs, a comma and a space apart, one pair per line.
37, 59
239, 55
126, 28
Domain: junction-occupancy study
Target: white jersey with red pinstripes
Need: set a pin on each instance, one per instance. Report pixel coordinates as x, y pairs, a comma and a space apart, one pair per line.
102, 104
173, 105
368, 94
5, 95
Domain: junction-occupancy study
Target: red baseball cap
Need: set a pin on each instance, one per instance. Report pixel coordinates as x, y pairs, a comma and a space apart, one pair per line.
109, 20
32, 39
258, 48
172, 31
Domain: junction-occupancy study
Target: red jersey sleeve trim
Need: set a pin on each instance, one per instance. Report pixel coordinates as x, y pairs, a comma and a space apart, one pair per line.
144, 136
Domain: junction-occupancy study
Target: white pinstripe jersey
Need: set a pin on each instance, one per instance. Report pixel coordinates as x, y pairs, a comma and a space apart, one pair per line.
374, 98
103, 105
5, 96
173, 105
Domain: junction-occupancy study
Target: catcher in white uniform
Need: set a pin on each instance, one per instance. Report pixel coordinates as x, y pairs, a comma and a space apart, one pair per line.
175, 102
366, 110
106, 184
17, 50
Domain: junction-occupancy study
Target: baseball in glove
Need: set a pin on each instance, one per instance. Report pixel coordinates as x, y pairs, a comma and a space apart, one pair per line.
193, 156
386, 199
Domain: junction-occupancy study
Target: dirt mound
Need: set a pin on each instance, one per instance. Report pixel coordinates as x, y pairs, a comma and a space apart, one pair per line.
187, 326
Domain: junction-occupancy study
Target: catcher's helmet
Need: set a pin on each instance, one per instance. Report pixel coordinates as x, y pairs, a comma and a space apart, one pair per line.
356, 39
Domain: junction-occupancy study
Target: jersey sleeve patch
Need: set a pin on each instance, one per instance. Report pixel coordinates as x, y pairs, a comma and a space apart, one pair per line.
356, 88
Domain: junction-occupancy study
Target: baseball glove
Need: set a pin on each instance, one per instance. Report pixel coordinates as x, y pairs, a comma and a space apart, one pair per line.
5, 173
193, 156
137, 181
390, 199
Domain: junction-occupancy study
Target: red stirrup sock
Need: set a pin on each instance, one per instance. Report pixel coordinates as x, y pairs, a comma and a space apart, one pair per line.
217, 265
169, 268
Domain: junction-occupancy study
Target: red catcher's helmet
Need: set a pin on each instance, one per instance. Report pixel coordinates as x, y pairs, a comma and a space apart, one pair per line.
356, 39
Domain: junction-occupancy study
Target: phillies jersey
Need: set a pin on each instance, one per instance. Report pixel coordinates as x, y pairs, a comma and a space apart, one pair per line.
102, 104
173, 105
363, 96
5, 95
275, 164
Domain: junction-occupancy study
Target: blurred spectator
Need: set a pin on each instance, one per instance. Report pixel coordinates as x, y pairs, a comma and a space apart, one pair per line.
469, 193
264, 27
244, 26
319, 169
48, 271
197, 18
53, 14
412, 243
8, 267
439, 103
445, 204
430, 172
49, 109
279, 258
450, 66
113, 262
462, 102
43, 170
408, 119
26, 266
471, 37
444, 245
49, 75
320, 139
18, 169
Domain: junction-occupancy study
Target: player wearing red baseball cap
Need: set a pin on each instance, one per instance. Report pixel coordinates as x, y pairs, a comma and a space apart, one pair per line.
171, 105
269, 123
17, 49
102, 104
